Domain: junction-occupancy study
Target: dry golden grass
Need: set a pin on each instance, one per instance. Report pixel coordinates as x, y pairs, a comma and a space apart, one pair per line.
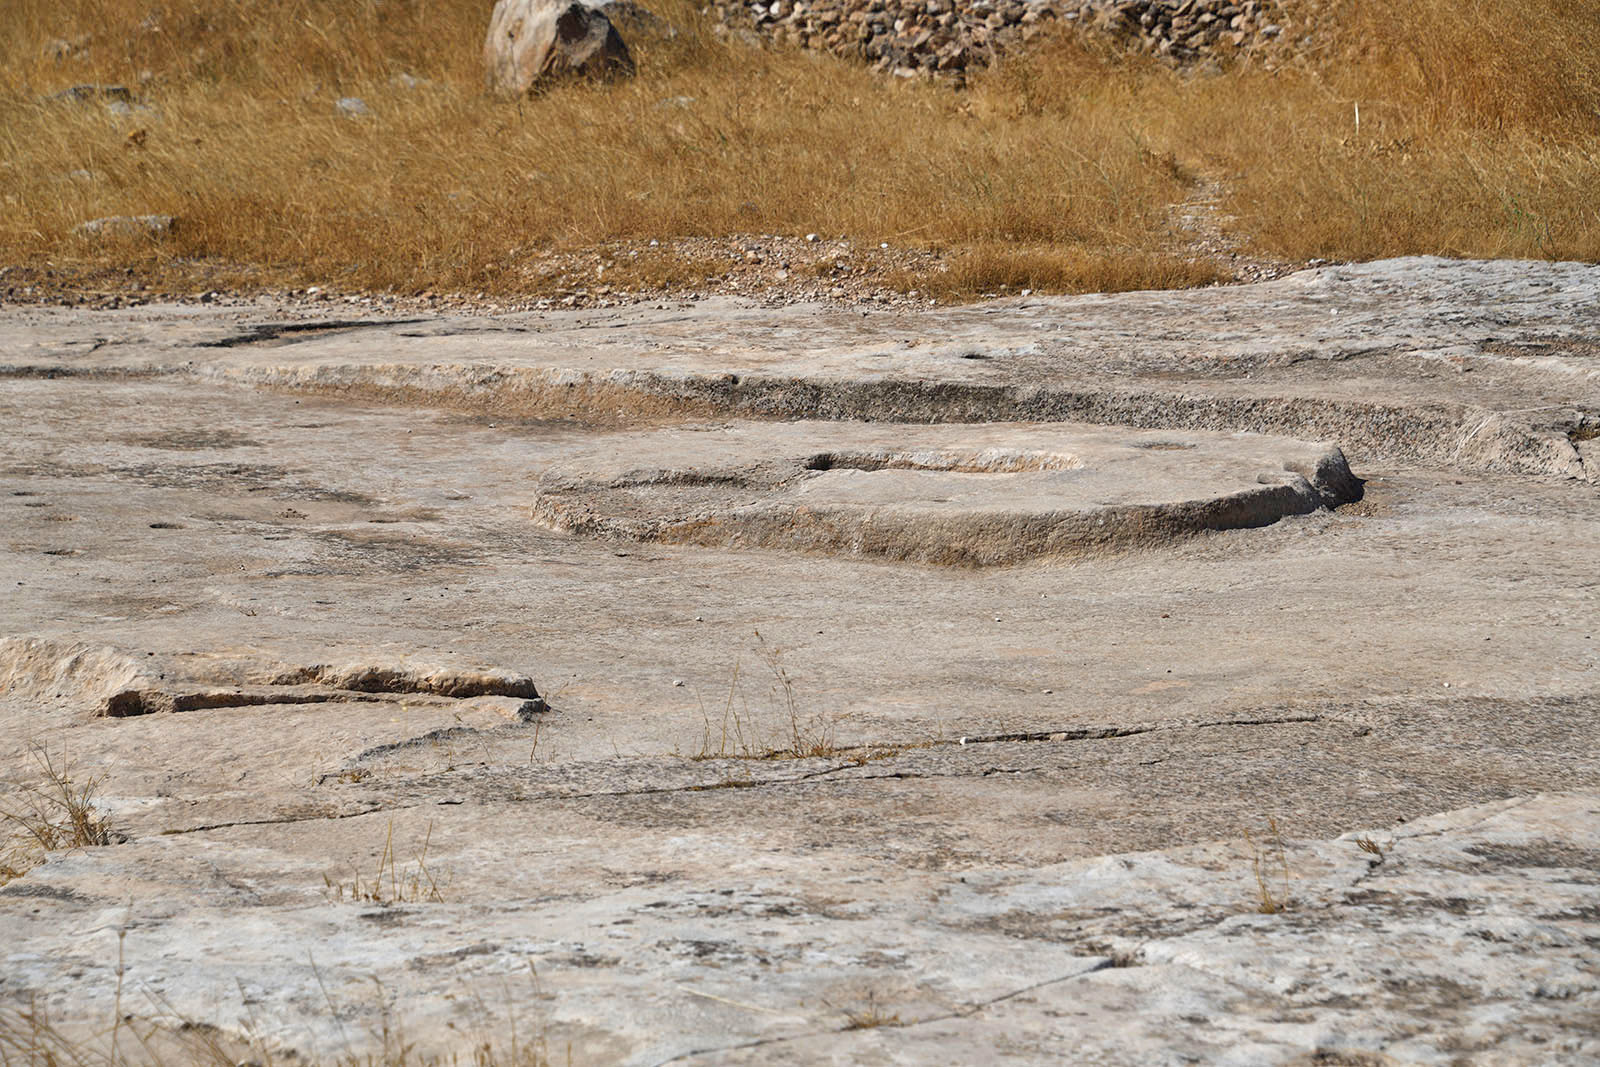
991, 267
1479, 135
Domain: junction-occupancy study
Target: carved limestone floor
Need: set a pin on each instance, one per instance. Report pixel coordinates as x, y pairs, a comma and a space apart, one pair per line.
717, 684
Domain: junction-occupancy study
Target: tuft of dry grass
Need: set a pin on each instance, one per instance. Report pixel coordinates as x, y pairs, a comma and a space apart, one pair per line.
391, 883
1479, 134
57, 813
870, 1016
743, 734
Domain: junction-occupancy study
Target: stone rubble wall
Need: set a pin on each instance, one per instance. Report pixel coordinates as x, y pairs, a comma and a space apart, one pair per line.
945, 38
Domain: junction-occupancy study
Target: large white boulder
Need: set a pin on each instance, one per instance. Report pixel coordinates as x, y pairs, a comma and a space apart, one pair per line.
532, 40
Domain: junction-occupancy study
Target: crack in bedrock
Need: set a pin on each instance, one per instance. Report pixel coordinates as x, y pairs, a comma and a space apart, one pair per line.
1098, 733
1092, 966
1084, 733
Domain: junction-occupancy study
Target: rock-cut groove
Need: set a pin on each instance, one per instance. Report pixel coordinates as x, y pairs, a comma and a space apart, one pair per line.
1458, 436
287, 333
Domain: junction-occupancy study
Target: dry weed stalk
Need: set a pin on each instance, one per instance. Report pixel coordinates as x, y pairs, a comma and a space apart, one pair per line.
1270, 901
390, 884
731, 742
741, 734
809, 736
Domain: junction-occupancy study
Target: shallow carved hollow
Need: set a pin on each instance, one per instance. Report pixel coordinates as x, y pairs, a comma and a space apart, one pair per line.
968, 495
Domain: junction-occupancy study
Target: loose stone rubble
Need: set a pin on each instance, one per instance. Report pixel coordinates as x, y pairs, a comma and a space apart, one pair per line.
947, 37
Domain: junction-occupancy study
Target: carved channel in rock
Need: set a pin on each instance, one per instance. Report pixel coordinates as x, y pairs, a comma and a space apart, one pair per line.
275, 334
1462, 437
115, 683
990, 461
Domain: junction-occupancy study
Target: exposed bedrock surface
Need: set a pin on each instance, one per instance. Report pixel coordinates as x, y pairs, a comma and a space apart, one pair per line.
396, 659
1479, 366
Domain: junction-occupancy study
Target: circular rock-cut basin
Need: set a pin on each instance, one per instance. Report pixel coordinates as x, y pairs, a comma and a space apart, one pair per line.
949, 493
